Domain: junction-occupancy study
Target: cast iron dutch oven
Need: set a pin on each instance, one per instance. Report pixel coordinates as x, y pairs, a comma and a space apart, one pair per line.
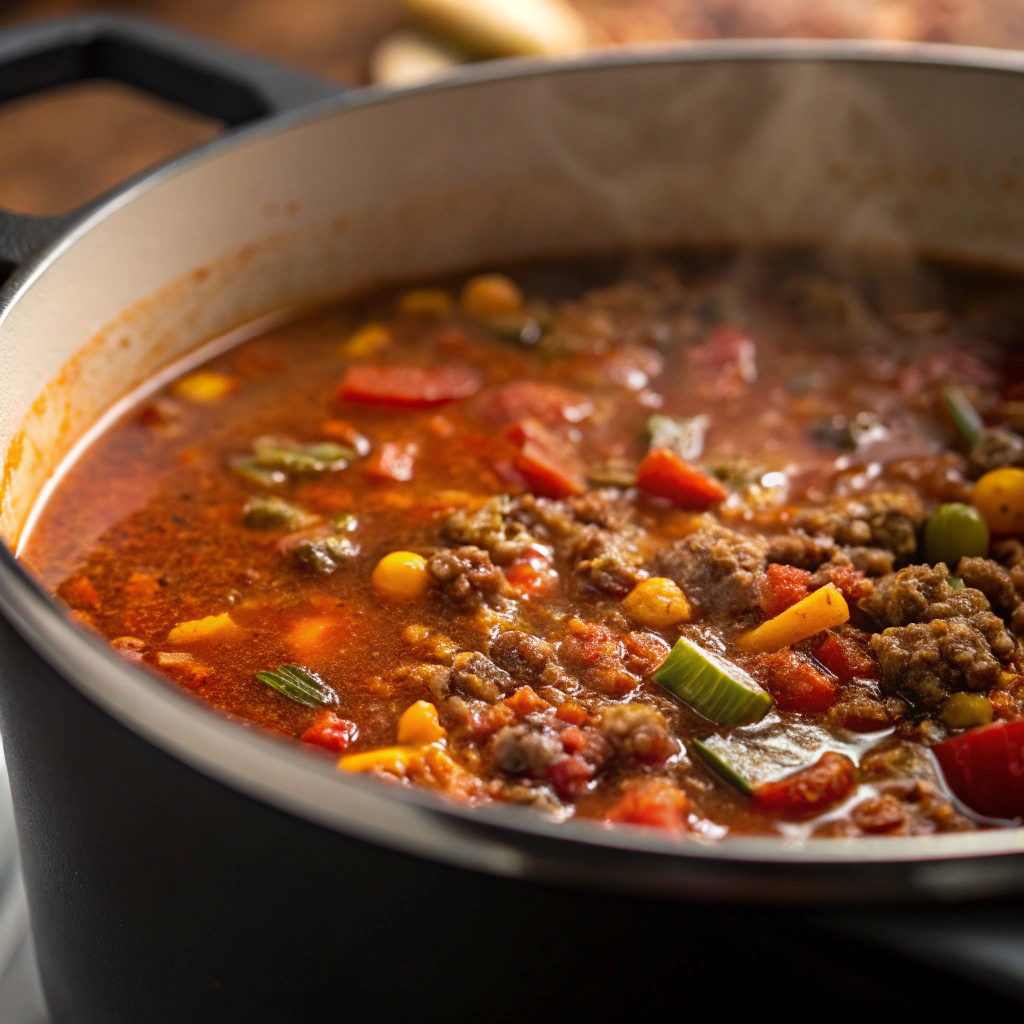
182, 867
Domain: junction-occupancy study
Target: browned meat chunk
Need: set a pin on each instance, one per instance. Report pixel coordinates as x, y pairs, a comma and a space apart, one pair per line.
908, 595
862, 708
997, 448
492, 527
608, 562
528, 659
995, 582
718, 569
1008, 552
639, 733
475, 675
466, 574
800, 549
526, 749
934, 659
888, 519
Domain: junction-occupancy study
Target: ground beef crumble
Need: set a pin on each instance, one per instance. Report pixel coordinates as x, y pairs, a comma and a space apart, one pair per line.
937, 640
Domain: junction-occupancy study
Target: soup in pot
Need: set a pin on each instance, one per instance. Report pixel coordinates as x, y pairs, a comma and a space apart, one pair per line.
707, 542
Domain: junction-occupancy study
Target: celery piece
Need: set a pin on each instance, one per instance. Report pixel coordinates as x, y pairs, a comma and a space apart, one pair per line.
715, 688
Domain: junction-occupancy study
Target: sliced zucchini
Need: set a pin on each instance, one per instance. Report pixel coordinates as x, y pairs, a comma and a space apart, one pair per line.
774, 748
715, 688
718, 763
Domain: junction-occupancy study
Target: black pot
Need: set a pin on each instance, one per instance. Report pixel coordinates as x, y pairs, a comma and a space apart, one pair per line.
183, 867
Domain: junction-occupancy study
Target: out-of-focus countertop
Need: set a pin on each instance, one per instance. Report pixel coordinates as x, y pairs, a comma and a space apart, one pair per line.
61, 149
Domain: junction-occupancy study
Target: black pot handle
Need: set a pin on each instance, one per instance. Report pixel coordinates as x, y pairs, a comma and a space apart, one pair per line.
229, 85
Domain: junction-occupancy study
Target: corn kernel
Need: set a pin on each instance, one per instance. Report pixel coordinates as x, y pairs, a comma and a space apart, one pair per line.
389, 759
432, 302
202, 629
491, 295
964, 710
366, 342
419, 726
205, 386
401, 576
657, 603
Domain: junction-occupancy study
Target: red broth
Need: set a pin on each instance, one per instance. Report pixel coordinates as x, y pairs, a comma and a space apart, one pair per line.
449, 536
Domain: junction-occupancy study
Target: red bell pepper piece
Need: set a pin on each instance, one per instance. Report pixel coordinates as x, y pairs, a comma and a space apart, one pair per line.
409, 386
809, 791
985, 768
666, 475
546, 463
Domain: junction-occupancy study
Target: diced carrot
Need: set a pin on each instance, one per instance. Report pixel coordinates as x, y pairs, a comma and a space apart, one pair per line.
782, 587
666, 475
847, 656
573, 713
409, 386
655, 803
392, 461
313, 635
525, 701
810, 790
794, 682
332, 732
545, 462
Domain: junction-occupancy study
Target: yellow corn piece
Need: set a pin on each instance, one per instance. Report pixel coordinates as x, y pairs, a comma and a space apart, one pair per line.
389, 759
487, 296
419, 726
202, 629
401, 576
824, 609
205, 386
366, 342
657, 603
434, 302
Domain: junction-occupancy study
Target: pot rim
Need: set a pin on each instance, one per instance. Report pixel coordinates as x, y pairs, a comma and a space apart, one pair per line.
510, 841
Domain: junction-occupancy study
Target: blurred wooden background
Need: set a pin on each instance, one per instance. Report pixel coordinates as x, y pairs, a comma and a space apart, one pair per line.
61, 149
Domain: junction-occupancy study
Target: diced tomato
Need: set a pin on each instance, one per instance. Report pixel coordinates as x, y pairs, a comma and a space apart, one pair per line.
655, 803
810, 790
532, 574
850, 582
570, 775
409, 386
331, 732
985, 768
665, 474
538, 400
782, 587
546, 463
573, 740
490, 719
392, 461
794, 682
573, 713
847, 656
